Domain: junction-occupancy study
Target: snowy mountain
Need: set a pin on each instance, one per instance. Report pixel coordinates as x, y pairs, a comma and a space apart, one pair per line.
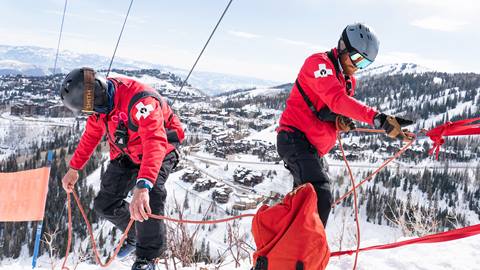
38, 61
16, 67
392, 69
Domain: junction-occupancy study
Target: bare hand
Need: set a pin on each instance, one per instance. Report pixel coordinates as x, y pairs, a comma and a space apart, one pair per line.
140, 204
69, 180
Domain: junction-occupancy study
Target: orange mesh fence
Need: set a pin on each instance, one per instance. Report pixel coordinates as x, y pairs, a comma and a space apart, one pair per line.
23, 195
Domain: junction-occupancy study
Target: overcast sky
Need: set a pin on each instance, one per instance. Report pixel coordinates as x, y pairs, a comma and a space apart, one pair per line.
268, 39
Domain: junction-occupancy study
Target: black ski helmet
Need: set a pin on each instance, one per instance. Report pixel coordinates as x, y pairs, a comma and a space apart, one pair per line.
360, 38
82, 88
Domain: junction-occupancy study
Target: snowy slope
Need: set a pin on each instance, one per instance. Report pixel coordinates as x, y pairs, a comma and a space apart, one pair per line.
14, 66
392, 69
457, 255
167, 88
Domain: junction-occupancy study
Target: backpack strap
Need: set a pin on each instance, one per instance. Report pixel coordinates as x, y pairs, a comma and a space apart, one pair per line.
334, 61
262, 263
305, 97
138, 96
325, 114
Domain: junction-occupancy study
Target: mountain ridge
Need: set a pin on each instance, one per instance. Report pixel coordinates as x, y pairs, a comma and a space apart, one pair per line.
40, 61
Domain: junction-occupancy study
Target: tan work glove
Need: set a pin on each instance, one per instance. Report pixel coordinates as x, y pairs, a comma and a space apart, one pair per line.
393, 126
345, 124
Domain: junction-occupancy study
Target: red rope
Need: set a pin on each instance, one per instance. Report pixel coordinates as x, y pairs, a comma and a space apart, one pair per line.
433, 238
125, 234
385, 163
462, 127
352, 179
457, 128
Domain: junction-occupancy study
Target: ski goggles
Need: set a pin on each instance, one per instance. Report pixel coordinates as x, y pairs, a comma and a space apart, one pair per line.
359, 60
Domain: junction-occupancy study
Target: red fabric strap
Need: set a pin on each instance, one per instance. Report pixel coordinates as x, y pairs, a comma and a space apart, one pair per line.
433, 238
457, 128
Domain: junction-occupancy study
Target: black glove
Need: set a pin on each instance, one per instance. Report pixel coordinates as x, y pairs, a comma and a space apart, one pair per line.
393, 126
172, 136
325, 114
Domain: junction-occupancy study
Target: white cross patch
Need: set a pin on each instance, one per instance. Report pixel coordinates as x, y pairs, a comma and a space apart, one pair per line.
142, 110
322, 71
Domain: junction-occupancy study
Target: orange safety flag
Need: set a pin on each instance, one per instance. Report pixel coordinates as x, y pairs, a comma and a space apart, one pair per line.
290, 235
23, 195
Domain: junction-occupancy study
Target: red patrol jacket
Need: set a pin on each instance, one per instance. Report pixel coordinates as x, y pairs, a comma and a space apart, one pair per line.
148, 145
318, 79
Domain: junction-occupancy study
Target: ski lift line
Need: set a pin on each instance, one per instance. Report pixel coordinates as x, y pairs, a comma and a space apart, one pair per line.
203, 49
119, 37
59, 38
60, 219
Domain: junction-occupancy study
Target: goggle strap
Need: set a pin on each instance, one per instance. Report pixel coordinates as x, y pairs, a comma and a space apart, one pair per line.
348, 46
89, 89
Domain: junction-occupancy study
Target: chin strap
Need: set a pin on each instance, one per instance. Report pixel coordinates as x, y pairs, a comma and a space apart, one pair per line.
89, 88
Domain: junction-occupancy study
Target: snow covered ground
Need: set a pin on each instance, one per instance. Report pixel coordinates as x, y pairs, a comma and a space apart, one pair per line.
456, 255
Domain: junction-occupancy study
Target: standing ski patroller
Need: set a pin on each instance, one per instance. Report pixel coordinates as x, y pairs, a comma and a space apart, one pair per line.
142, 132
321, 103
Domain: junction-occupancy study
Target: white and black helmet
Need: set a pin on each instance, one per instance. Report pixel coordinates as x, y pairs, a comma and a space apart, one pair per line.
75, 87
360, 38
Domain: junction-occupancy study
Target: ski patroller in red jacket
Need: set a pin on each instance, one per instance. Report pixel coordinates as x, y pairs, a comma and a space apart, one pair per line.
148, 146
318, 79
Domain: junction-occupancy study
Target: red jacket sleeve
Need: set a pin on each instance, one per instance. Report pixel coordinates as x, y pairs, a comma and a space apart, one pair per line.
147, 114
94, 131
332, 92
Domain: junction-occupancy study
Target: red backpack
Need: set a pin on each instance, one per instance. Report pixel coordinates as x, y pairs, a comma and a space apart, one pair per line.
290, 235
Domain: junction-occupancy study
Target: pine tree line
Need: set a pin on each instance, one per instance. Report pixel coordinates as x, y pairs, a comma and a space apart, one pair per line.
442, 193
15, 235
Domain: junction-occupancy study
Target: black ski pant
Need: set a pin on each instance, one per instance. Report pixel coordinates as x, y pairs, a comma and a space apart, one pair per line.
118, 180
306, 166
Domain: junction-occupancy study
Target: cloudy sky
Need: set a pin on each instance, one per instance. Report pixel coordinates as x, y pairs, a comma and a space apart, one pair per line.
262, 38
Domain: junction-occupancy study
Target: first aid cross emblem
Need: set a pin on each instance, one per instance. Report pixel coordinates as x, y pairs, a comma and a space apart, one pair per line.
143, 110
322, 71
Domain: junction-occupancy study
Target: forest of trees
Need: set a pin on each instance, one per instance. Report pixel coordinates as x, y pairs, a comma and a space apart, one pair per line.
14, 235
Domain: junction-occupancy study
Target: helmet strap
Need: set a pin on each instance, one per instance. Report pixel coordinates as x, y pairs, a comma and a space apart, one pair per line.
89, 88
